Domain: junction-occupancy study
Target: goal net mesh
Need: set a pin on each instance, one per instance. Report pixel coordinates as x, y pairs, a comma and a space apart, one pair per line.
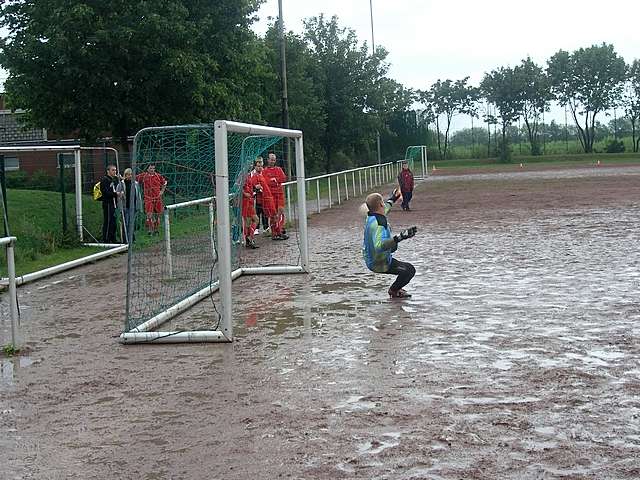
173, 252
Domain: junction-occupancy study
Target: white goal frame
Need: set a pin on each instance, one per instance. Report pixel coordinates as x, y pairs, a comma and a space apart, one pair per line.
77, 165
143, 333
423, 158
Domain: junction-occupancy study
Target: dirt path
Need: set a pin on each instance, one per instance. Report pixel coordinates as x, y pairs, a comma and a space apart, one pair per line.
516, 358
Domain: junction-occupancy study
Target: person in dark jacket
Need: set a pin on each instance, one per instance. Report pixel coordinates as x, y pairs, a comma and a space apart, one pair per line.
108, 185
125, 189
405, 181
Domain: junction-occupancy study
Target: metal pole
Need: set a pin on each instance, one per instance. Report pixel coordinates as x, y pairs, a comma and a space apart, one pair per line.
3, 190
224, 238
167, 243
353, 183
78, 173
346, 187
338, 188
285, 96
63, 195
13, 303
318, 193
373, 52
212, 230
302, 202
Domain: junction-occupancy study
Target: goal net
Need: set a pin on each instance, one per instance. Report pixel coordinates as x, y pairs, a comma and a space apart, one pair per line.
187, 238
416, 157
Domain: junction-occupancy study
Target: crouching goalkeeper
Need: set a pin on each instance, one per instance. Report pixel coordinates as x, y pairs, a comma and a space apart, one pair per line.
379, 244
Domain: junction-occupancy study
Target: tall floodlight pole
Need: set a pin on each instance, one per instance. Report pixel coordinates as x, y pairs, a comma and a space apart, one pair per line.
373, 52
283, 76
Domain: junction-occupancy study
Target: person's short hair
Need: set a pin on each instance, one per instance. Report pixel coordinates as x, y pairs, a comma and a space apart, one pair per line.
110, 166
373, 201
258, 159
128, 170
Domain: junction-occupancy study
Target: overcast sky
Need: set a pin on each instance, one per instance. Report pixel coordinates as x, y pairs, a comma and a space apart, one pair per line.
451, 39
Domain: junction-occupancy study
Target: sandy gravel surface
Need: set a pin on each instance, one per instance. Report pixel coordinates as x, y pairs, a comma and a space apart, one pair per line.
516, 358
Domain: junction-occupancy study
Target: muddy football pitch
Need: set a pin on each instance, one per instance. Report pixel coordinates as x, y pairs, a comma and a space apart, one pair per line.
517, 356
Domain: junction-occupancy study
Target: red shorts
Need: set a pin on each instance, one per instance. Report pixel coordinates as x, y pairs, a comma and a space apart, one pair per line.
268, 207
153, 205
278, 200
248, 208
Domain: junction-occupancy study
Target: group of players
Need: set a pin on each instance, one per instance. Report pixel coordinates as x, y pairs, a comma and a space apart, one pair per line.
116, 191
263, 195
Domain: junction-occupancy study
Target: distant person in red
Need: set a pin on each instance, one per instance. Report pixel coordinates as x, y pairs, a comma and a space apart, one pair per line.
153, 187
276, 177
263, 198
250, 219
405, 181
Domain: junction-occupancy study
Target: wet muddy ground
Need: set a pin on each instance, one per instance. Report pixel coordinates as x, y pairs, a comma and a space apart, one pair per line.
516, 358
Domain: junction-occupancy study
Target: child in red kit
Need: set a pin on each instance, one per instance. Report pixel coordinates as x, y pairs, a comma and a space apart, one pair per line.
276, 177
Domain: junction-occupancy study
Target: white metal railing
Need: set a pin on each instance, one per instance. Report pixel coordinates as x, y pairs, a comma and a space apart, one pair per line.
9, 243
339, 184
210, 202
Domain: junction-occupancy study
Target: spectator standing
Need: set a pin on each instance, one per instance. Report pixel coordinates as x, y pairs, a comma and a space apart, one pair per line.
405, 181
153, 187
250, 219
124, 191
276, 177
264, 197
108, 185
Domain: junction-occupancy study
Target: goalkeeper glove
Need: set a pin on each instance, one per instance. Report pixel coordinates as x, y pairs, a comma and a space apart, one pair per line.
404, 234
395, 195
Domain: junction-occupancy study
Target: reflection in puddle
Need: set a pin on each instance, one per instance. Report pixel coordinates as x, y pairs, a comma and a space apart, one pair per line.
356, 403
373, 447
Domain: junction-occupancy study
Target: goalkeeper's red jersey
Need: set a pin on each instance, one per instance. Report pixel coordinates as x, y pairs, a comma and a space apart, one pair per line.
276, 177
264, 197
151, 184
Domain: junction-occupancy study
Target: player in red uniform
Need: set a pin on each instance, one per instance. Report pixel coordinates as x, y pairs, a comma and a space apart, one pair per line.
255, 184
153, 187
249, 217
276, 177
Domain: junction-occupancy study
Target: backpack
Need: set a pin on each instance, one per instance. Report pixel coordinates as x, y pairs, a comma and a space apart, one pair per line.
97, 192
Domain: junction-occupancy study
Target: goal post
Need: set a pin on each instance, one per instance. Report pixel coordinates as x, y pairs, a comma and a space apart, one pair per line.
43, 160
196, 249
417, 153
222, 129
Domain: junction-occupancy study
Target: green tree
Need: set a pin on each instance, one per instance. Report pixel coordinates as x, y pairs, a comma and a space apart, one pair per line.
346, 79
500, 87
536, 96
305, 107
589, 81
400, 122
119, 65
632, 102
448, 98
